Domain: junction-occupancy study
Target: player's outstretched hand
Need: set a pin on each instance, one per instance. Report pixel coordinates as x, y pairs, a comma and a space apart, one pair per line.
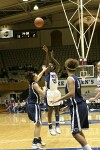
52, 54
44, 88
97, 90
64, 109
53, 102
92, 99
45, 48
44, 68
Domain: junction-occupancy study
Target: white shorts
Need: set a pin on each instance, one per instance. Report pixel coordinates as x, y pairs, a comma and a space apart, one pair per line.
53, 95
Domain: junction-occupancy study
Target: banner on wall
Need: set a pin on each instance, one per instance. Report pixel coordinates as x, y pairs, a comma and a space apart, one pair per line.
6, 34
86, 82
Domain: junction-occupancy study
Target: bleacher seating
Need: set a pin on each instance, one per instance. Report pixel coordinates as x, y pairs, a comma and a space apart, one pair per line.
18, 59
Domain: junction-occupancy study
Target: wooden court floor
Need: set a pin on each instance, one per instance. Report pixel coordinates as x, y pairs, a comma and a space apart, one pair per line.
16, 132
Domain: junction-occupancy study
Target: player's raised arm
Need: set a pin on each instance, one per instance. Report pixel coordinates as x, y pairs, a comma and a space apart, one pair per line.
44, 68
45, 48
55, 62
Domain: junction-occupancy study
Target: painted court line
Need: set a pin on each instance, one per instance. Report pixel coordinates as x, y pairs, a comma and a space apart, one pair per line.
23, 140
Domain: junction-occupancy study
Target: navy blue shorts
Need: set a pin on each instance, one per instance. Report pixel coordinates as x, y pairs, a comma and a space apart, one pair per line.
34, 113
79, 117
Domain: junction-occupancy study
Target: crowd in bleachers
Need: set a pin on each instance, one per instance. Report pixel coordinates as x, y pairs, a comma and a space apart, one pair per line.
14, 63
15, 106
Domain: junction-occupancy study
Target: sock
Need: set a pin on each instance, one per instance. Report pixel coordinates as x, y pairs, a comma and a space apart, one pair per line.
87, 147
35, 140
57, 124
57, 120
50, 125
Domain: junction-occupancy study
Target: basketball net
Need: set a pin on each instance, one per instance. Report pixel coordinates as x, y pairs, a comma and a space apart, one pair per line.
83, 78
83, 74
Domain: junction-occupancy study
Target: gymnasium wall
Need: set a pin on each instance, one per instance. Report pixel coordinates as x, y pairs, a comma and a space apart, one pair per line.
58, 22
17, 88
43, 37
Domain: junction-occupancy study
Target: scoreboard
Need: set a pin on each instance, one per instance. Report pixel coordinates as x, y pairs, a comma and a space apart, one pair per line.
18, 34
25, 34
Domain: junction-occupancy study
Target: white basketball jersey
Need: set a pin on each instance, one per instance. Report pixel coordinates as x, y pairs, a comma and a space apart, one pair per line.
98, 86
98, 81
53, 83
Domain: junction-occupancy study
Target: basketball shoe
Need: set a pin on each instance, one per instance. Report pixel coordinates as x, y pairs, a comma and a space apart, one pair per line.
58, 130
41, 142
35, 144
52, 132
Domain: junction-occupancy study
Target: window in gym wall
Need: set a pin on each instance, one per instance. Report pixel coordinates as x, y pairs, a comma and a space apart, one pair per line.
56, 38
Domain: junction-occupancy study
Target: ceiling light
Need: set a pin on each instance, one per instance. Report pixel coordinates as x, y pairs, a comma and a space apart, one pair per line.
36, 7
25, 0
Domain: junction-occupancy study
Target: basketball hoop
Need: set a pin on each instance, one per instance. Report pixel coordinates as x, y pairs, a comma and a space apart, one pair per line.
84, 61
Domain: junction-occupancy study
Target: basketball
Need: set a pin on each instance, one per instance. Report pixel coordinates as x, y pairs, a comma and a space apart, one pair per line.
39, 22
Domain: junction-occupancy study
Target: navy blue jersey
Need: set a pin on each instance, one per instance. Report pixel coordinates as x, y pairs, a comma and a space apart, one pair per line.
77, 98
47, 79
78, 107
34, 97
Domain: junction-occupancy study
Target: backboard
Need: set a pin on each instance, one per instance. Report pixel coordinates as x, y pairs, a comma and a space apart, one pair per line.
85, 71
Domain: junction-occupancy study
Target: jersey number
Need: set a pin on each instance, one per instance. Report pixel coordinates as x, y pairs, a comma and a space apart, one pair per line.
54, 80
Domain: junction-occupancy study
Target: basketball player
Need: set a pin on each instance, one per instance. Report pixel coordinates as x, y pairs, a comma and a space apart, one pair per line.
51, 78
97, 97
78, 107
33, 107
